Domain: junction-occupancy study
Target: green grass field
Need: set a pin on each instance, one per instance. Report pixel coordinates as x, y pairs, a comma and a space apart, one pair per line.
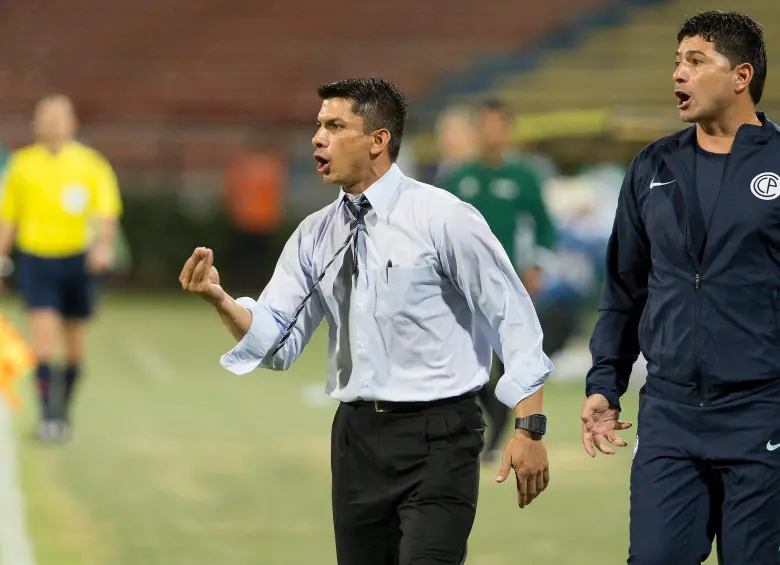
178, 462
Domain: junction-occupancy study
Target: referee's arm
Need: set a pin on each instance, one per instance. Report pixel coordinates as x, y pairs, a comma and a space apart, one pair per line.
9, 211
614, 345
108, 203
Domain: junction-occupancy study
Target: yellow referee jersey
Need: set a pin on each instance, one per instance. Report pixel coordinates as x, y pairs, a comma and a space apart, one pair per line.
54, 199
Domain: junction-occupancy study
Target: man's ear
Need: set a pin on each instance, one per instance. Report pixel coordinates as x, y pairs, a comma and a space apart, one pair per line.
742, 76
380, 141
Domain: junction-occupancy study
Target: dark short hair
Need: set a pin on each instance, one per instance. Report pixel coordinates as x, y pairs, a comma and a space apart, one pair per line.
495, 105
380, 103
736, 36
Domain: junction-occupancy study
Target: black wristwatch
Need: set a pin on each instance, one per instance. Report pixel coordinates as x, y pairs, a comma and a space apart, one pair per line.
535, 424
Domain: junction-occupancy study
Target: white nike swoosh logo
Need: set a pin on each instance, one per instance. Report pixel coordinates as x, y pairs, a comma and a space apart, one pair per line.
770, 447
653, 184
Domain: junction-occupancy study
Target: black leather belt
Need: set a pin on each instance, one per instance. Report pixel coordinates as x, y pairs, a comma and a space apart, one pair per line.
410, 406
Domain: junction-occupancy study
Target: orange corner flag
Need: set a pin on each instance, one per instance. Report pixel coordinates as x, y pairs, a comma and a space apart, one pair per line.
16, 358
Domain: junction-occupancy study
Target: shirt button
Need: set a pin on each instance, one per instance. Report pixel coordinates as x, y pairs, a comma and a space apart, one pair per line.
359, 306
365, 385
361, 345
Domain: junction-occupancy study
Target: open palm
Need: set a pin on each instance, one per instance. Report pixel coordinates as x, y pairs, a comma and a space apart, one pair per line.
600, 424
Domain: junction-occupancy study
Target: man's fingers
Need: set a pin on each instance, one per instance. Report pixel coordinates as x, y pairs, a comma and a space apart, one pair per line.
541, 484
199, 274
546, 477
532, 491
202, 273
522, 490
587, 441
602, 446
503, 472
620, 425
615, 439
186, 271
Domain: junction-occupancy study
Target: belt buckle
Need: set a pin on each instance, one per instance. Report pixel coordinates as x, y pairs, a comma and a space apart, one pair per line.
376, 407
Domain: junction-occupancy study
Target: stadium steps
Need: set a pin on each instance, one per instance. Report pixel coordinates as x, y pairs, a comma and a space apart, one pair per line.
629, 66
616, 78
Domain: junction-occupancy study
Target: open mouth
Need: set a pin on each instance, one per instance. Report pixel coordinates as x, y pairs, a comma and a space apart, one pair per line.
683, 99
323, 165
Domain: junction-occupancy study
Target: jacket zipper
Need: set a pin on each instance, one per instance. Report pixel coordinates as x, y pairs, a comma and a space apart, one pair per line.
700, 377
697, 279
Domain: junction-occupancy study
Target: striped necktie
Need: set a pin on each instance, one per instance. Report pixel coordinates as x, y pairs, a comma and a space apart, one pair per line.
356, 212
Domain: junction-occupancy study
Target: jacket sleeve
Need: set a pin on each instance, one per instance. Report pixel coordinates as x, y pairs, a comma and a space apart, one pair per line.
614, 345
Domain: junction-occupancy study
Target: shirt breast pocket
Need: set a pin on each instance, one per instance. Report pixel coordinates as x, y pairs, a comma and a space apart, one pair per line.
404, 292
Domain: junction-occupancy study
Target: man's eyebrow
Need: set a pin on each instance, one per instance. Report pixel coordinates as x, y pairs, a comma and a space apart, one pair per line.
693, 52
330, 120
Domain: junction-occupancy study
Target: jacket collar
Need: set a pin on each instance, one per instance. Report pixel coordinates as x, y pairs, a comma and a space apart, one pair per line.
747, 134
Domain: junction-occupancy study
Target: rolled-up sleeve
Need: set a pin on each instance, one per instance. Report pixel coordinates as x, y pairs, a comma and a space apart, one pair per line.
275, 309
475, 261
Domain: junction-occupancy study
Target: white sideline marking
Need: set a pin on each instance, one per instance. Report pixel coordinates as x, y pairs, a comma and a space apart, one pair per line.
15, 546
148, 358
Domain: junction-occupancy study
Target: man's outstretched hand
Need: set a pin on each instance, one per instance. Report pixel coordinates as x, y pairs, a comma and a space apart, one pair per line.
200, 277
600, 422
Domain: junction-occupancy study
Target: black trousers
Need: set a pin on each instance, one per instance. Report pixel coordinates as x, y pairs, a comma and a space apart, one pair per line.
701, 473
405, 482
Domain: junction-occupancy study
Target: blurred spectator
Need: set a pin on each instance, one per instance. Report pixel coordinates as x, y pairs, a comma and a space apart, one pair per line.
506, 191
254, 191
456, 139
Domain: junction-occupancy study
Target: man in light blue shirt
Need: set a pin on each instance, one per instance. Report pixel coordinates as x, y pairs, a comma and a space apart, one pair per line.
416, 291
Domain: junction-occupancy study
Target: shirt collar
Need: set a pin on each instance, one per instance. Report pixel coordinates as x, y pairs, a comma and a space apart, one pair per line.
381, 192
65, 147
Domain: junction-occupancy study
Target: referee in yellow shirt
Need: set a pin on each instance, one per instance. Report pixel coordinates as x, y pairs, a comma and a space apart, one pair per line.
59, 206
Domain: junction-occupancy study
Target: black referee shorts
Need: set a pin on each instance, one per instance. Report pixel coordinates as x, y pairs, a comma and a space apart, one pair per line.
62, 284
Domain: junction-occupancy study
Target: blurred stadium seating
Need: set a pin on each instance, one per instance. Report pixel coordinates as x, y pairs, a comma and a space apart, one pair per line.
609, 73
176, 63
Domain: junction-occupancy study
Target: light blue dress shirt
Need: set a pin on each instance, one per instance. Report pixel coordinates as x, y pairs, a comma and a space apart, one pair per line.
434, 292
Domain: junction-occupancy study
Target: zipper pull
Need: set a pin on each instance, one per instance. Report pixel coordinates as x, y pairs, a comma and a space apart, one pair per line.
697, 282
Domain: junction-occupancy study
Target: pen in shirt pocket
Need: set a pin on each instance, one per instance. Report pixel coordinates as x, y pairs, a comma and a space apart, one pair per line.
387, 270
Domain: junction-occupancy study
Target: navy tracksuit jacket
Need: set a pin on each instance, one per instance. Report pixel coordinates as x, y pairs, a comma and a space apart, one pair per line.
700, 297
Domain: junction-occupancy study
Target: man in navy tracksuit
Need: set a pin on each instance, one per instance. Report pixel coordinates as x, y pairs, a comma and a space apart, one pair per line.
693, 282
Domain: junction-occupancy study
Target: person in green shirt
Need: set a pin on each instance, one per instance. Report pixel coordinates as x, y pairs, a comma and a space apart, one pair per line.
508, 194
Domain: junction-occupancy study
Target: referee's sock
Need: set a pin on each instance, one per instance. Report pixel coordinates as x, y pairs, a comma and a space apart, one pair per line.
71, 377
43, 381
